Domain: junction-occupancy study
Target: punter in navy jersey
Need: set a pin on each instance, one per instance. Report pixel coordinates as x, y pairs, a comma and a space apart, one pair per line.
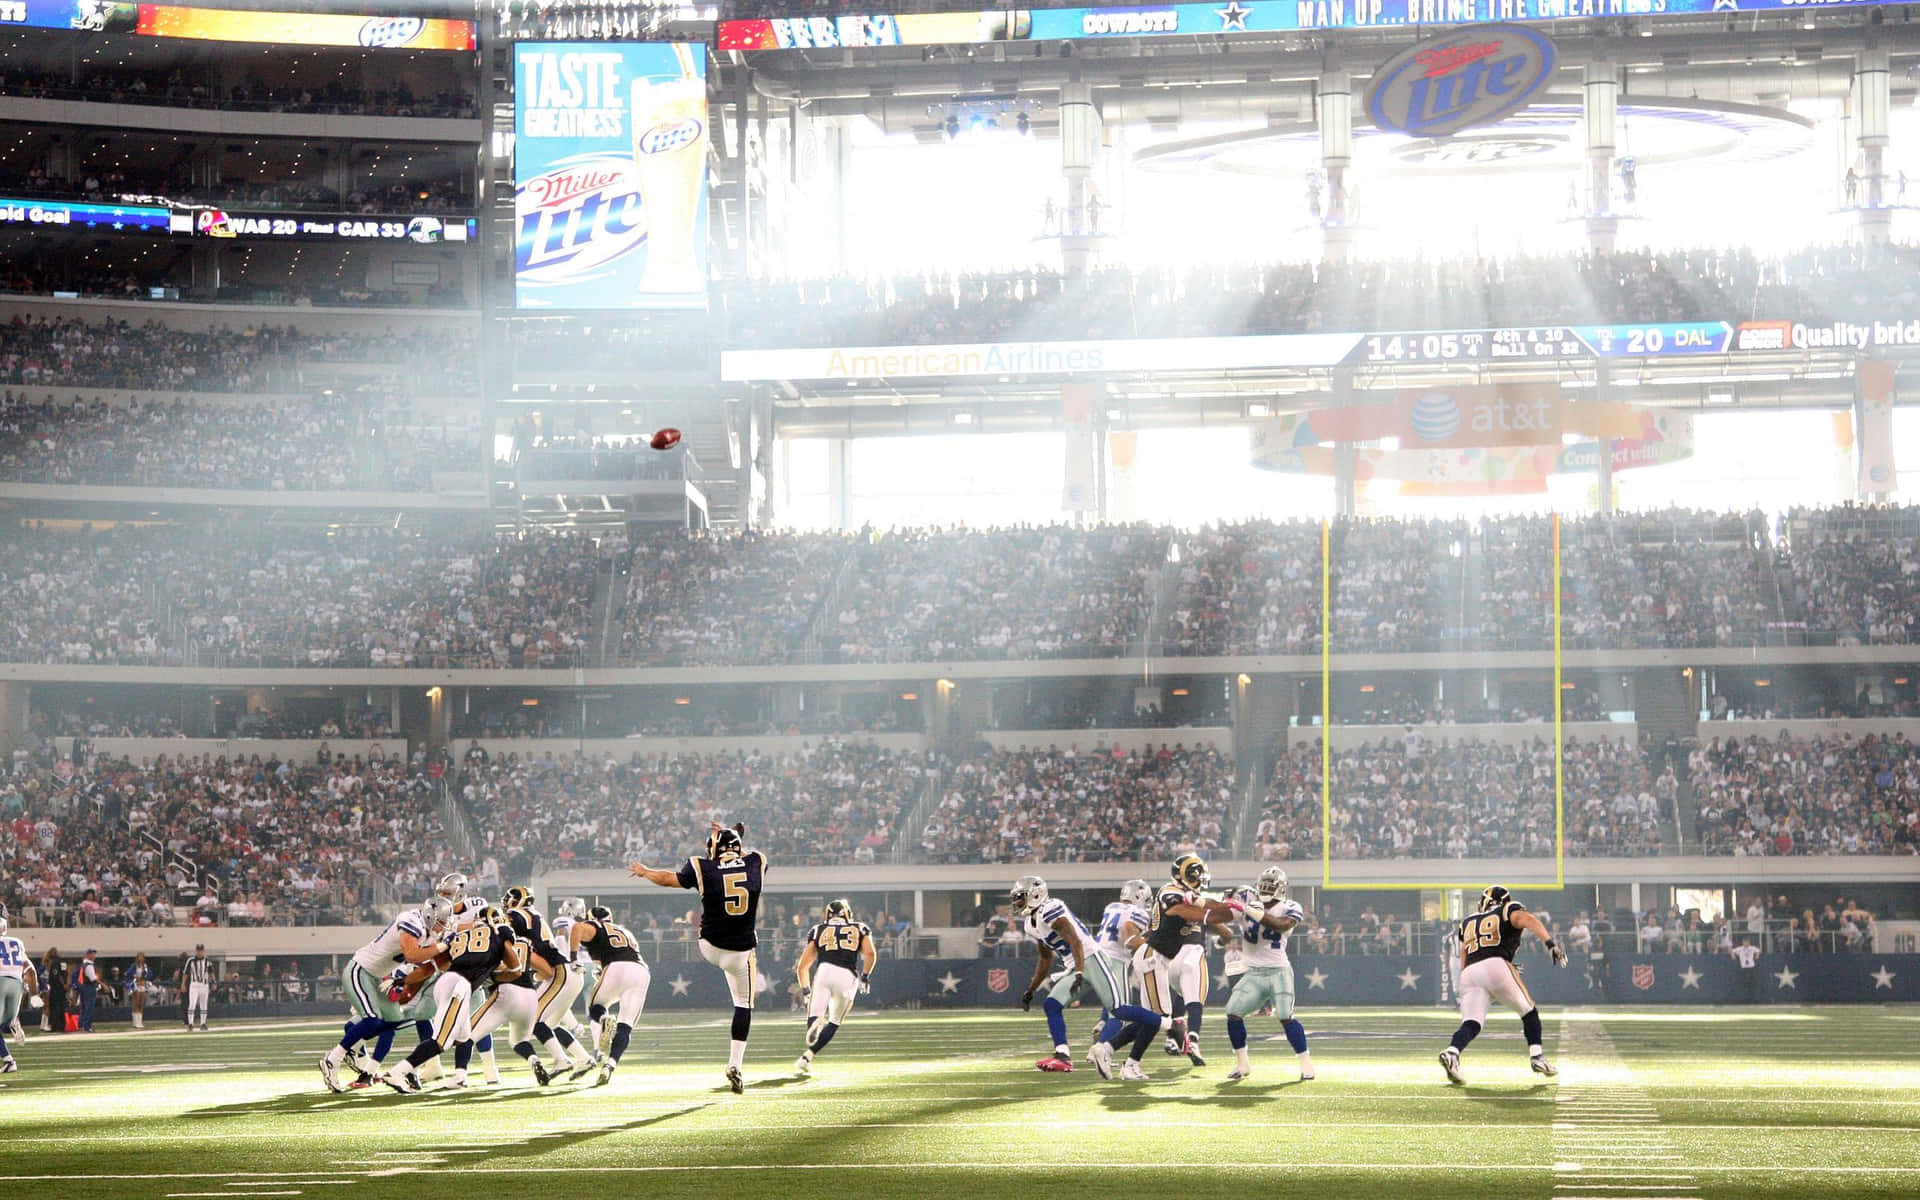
728, 879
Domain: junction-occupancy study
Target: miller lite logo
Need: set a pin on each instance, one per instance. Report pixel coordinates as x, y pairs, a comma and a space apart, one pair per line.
670, 135
384, 33
998, 980
1473, 76
576, 217
1643, 976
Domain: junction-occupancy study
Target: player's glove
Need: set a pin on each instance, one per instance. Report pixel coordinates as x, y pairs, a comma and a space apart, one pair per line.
1559, 956
1075, 981
1026, 1000
35, 1002
398, 993
806, 995
866, 985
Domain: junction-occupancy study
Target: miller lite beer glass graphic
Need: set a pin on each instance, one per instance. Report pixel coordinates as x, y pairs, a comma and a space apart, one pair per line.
670, 167
610, 175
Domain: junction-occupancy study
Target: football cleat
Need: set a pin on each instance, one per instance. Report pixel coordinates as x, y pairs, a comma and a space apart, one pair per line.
1103, 1059
1238, 1073
734, 1080
540, 1073
1175, 1045
1450, 1063
1131, 1071
1541, 1066
1053, 1062
458, 1079
403, 1079
330, 1074
603, 1045
365, 1079
803, 1066
1193, 1051
8, 1066
606, 1073
582, 1069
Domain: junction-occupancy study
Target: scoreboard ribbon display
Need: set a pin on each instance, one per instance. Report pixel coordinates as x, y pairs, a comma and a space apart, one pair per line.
386, 32
1653, 340
1229, 17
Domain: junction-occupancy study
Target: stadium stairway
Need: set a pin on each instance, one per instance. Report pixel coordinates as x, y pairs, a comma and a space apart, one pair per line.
1667, 720
1150, 642
608, 585
820, 638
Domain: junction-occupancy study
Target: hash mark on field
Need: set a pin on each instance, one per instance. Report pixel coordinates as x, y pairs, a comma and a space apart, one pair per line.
1592, 1122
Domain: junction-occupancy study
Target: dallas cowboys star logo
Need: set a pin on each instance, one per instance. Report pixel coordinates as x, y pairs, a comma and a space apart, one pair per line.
1317, 978
1882, 978
949, 983
1689, 978
1786, 976
1233, 17
679, 984
1726, 5
1409, 979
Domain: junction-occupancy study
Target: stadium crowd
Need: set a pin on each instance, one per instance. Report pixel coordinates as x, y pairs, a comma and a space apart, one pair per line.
298, 445
838, 801
151, 357
1032, 592
1042, 591
1827, 795
203, 841
1814, 285
1424, 795
1058, 805
184, 88
278, 597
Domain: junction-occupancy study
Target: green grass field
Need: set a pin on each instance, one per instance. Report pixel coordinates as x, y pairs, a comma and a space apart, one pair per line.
1664, 1103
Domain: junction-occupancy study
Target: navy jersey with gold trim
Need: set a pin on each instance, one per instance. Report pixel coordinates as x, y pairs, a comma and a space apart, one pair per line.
1166, 933
1491, 934
839, 942
609, 943
729, 897
475, 951
528, 927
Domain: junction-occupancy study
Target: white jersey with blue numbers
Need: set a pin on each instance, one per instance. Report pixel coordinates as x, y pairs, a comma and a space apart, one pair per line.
468, 911
1264, 947
13, 958
1118, 916
384, 952
1040, 929
562, 932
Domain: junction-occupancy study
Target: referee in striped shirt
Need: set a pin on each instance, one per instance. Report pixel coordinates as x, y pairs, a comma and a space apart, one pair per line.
196, 982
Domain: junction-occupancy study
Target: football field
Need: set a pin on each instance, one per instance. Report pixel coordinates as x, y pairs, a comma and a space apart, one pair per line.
1650, 1103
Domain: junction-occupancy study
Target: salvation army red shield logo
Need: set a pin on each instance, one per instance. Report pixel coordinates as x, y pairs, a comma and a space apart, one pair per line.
997, 980
1643, 975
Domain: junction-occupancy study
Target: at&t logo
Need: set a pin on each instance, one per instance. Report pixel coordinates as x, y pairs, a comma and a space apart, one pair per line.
1473, 76
576, 217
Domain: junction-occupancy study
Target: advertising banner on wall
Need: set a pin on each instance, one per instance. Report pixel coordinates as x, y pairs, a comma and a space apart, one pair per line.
880, 28
610, 175
384, 32
1874, 445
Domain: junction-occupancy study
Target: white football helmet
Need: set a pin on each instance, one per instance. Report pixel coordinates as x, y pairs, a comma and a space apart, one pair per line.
437, 913
1136, 891
1272, 885
1029, 892
572, 908
453, 887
